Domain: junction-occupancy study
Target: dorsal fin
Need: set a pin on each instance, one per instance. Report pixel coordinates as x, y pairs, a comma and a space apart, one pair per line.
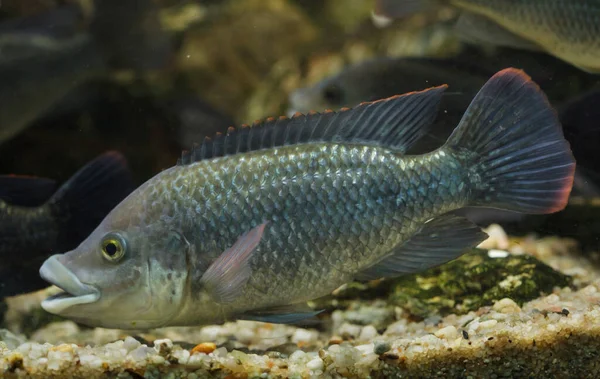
396, 123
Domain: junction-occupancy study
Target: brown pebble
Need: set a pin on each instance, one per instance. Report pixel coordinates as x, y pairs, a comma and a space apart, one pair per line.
205, 347
335, 340
390, 356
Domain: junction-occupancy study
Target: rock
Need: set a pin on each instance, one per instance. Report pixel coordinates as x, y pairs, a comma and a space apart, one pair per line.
475, 280
10, 339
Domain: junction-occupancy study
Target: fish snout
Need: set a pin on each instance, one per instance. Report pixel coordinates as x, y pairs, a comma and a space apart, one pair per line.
75, 292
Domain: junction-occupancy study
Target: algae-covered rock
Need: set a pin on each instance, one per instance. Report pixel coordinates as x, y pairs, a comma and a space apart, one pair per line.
476, 279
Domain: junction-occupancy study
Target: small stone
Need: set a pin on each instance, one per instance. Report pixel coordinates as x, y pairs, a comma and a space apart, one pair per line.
381, 347
205, 347
131, 343
303, 337
335, 340
163, 346
368, 333
506, 305
449, 333
315, 364
488, 324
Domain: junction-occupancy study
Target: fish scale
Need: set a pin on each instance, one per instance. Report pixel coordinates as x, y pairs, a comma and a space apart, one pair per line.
568, 28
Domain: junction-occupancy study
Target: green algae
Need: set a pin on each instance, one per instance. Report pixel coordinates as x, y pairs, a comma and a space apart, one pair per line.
475, 280
468, 283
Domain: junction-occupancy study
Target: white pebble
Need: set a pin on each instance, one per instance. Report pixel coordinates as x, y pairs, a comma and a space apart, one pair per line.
220, 352
90, 360
182, 355
487, 324
506, 305
315, 364
141, 353
349, 329
448, 333
494, 253
131, 343
368, 333
366, 349
297, 356
305, 336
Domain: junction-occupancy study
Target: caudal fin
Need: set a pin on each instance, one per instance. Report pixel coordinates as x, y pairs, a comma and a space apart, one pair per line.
87, 197
514, 142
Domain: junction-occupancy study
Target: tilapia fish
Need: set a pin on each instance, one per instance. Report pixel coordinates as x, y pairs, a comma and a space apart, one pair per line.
567, 29
37, 220
255, 223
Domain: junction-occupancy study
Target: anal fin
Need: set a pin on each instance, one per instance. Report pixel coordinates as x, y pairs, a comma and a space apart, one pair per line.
439, 241
285, 314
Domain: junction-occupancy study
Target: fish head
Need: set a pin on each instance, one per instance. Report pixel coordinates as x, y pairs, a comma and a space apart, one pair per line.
327, 94
130, 273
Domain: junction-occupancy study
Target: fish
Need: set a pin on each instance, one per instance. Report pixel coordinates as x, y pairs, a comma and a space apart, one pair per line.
465, 73
194, 117
383, 77
254, 223
37, 219
567, 29
37, 69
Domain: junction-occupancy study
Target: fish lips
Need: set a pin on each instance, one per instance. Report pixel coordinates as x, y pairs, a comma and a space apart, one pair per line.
75, 292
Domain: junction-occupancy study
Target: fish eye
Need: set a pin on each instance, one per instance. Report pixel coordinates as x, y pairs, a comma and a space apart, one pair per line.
113, 247
333, 95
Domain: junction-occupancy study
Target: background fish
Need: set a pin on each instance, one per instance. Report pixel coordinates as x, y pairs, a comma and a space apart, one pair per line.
38, 69
37, 221
379, 78
568, 29
261, 220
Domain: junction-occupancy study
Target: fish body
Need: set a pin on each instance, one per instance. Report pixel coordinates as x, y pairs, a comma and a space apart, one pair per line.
257, 222
37, 68
568, 29
36, 221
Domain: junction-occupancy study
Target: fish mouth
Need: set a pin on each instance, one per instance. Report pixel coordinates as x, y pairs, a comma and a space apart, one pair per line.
74, 291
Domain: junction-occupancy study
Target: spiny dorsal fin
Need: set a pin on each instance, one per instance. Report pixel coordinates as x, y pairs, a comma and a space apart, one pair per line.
396, 123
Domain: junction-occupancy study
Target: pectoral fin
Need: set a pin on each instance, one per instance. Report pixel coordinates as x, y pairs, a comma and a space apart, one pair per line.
231, 270
439, 241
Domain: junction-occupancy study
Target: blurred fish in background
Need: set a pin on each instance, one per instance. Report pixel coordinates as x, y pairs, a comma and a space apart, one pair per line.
567, 29
45, 58
38, 220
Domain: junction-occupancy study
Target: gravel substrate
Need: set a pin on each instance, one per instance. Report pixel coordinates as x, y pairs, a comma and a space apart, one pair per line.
556, 335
